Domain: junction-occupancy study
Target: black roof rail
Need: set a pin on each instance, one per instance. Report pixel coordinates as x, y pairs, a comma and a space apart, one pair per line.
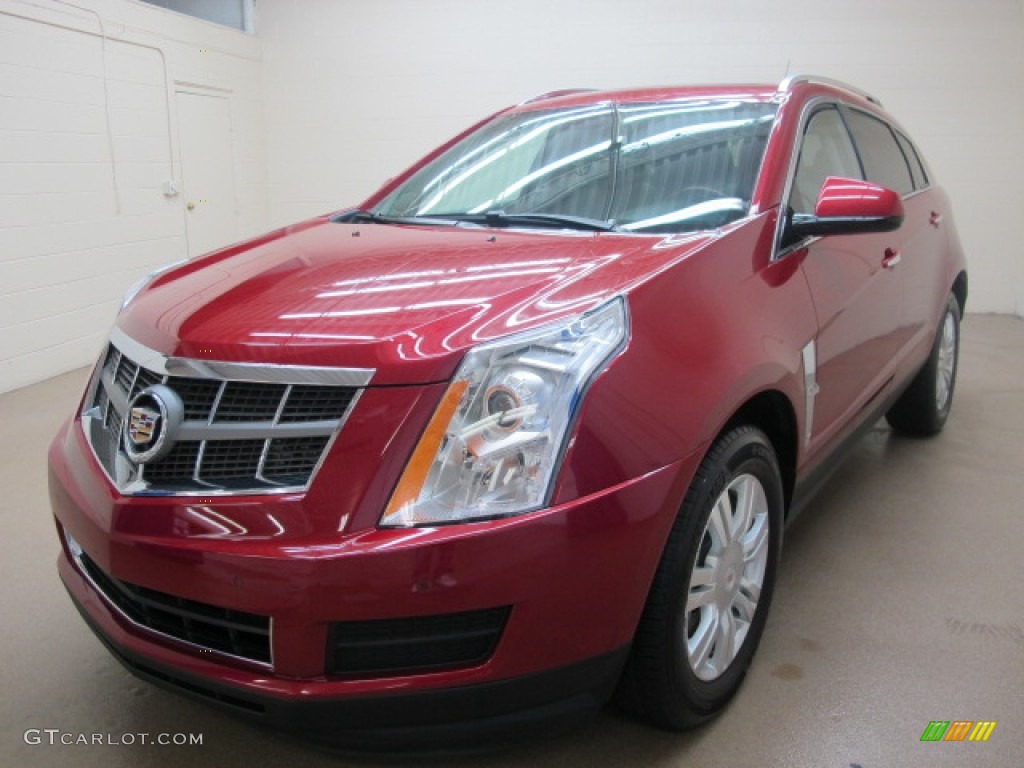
787, 85
555, 94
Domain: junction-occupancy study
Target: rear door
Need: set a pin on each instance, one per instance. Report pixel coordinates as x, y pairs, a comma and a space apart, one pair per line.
893, 163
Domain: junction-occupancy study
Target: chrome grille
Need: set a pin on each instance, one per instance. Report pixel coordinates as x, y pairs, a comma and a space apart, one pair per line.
179, 463
224, 462
114, 421
306, 403
250, 401
198, 395
238, 435
286, 458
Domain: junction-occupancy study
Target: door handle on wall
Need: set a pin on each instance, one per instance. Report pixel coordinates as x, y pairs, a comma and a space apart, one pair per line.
190, 205
892, 258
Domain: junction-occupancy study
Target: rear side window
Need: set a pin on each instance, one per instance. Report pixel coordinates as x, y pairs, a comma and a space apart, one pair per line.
826, 151
916, 166
884, 161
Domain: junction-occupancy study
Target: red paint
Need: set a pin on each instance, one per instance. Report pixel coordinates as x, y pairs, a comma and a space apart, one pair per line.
857, 199
714, 321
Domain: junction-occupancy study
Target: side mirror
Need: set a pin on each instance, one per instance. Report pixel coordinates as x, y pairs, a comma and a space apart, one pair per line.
849, 207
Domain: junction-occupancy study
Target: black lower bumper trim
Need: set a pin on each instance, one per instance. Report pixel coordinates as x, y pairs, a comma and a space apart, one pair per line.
469, 717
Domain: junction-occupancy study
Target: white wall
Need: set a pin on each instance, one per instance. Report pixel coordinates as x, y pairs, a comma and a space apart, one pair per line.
333, 96
356, 90
88, 133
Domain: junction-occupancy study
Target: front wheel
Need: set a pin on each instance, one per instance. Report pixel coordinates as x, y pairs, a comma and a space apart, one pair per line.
922, 410
709, 601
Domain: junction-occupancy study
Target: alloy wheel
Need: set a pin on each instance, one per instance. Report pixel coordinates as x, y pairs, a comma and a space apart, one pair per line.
727, 577
946, 363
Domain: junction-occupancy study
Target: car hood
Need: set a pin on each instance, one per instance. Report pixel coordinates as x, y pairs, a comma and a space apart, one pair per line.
406, 301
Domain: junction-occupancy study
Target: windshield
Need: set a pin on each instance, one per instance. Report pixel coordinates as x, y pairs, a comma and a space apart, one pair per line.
674, 166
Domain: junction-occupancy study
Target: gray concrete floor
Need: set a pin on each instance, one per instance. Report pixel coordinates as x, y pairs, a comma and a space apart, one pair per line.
900, 601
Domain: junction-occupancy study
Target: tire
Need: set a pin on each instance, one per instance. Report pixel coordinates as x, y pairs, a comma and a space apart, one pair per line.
703, 618
923, 408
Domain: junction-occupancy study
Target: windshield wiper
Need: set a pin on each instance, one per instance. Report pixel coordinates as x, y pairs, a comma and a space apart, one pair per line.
378, 218
561, 220
489, 219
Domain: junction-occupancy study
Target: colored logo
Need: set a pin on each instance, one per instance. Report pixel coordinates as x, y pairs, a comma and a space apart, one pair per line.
154, 414
958, 730
142, 425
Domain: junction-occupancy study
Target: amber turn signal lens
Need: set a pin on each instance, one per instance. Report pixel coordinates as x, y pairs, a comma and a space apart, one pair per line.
415, 475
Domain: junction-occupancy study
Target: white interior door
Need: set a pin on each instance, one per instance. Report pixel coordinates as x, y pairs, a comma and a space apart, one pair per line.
207, 169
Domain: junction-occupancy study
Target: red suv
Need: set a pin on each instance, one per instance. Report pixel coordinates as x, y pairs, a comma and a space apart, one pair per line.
524, 428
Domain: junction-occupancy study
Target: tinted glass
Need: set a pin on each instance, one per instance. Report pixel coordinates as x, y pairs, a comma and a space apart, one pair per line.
916, 166
661, 167
688, 165
826, 151
884, 161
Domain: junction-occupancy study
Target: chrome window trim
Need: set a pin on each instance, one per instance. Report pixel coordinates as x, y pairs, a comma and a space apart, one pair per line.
925, 169
917, 192
76, 557
893, 131
896, 132
778, 252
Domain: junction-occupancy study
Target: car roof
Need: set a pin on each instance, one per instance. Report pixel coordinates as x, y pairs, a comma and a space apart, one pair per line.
745, 91
583, 97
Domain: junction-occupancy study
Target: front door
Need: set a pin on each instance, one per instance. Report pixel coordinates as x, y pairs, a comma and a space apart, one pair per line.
856, 295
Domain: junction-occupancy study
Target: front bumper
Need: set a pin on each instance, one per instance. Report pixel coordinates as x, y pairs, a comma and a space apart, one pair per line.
464, 717
575, 576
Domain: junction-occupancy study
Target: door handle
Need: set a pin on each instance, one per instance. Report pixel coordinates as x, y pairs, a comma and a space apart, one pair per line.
935, 219
892, 258
190, 205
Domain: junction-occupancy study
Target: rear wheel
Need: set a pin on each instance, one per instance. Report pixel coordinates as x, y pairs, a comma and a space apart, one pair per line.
709, 601
923, 409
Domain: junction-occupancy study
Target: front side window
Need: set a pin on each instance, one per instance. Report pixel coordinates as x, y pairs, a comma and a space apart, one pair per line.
674, 166
826, 151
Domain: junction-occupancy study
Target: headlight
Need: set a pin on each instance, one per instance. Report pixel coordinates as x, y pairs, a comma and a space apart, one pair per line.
494, 444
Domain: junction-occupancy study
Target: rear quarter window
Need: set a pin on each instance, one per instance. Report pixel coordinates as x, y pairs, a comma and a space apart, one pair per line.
916, 166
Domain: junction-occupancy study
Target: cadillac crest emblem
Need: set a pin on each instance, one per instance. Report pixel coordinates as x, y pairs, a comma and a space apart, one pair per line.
142, 425
152, 420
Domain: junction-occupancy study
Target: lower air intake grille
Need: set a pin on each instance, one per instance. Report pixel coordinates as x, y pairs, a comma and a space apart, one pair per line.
420, 644
237, 633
